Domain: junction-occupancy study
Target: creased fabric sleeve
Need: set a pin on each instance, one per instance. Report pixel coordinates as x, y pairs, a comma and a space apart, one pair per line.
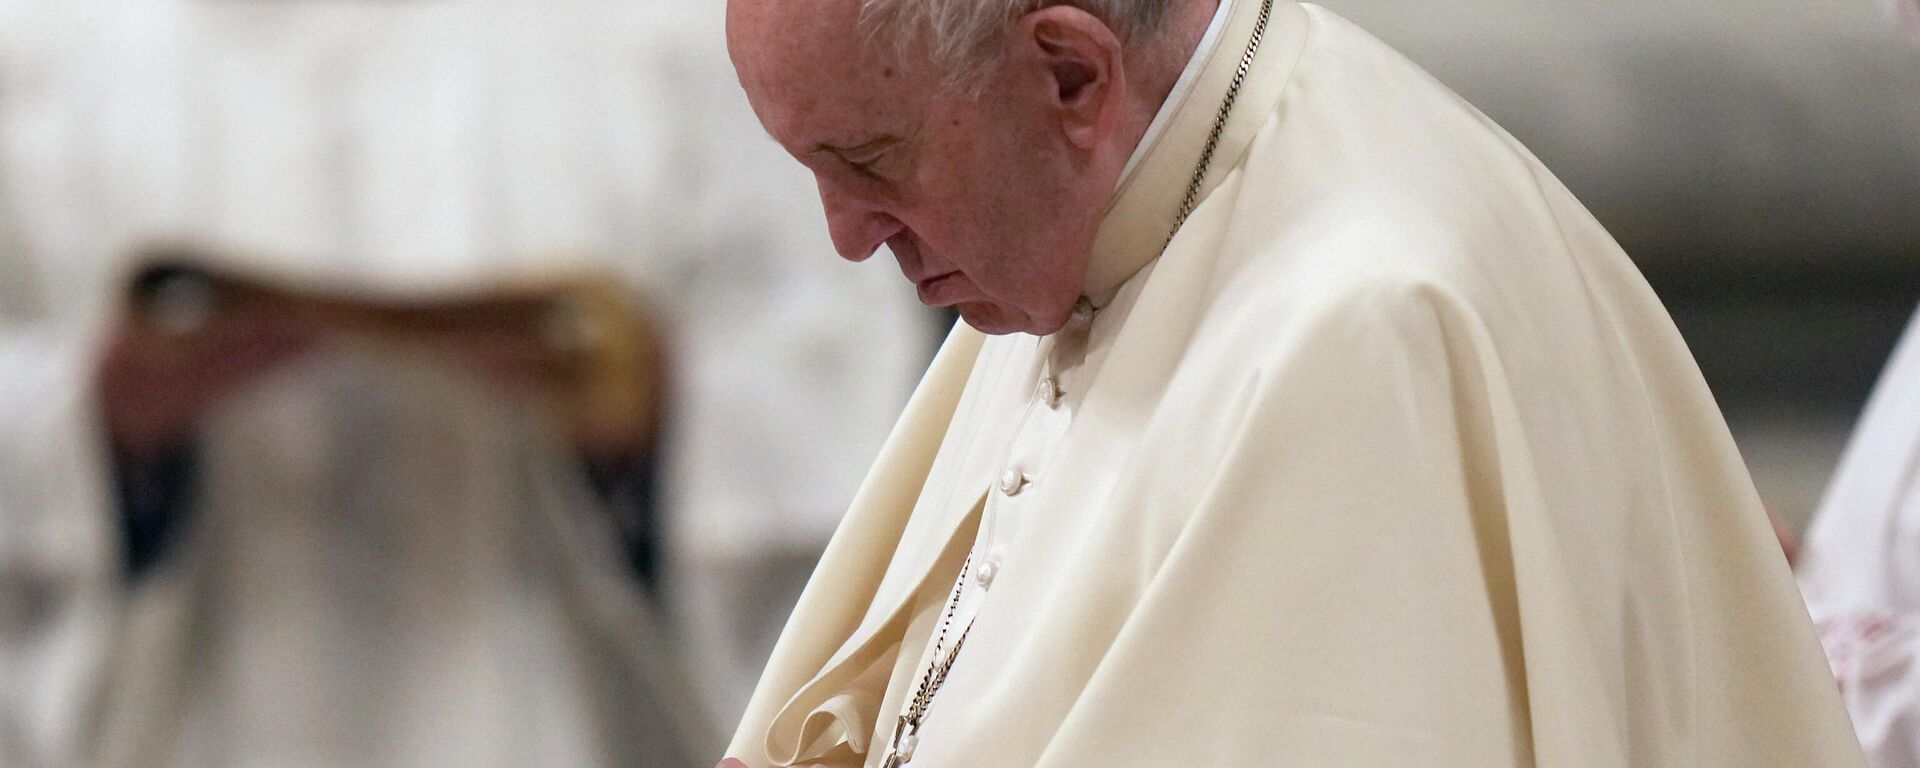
1346, 595
840, 594
1338, 512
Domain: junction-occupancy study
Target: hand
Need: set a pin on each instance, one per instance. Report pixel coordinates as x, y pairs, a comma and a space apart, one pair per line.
155, 384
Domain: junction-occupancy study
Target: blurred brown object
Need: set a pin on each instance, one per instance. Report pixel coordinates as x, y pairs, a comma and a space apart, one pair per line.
575, 338
1789, 544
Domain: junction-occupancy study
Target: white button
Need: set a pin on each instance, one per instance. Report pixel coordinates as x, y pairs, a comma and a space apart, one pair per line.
987, 570
1050, 392
1012, 482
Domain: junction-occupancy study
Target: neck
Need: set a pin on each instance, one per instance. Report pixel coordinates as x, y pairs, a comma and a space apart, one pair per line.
1156, 66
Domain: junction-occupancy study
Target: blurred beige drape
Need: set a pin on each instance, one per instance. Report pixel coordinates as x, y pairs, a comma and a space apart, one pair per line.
337, 595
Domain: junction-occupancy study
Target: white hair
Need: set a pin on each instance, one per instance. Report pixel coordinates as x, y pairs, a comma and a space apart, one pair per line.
959, 36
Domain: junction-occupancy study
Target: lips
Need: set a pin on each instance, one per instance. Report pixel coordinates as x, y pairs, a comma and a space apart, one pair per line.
941, 290
937, 289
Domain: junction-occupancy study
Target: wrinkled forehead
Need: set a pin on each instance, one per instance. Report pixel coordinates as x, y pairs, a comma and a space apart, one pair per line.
809, 70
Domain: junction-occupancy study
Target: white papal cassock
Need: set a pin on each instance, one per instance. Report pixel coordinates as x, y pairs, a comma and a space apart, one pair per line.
1390, 459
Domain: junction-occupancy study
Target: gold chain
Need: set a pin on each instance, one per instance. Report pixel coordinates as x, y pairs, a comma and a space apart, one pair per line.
1192, 199
906, 735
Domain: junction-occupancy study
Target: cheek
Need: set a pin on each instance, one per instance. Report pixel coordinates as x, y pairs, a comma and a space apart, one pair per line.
996, 203
954, 202
995, 192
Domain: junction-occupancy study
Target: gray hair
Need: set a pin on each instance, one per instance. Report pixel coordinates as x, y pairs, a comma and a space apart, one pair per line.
959, 36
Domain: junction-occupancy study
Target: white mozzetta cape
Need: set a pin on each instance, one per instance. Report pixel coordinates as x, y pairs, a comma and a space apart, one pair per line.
1393, 460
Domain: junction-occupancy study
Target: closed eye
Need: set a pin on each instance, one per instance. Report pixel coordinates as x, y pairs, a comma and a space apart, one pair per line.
863, 167
862, 157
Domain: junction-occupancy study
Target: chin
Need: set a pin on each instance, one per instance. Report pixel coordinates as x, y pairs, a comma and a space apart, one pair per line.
997, 320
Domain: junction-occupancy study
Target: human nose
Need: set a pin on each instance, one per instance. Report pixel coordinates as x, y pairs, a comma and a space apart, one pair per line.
857, 226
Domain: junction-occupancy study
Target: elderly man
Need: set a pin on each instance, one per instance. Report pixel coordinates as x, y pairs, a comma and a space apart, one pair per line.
1303, 419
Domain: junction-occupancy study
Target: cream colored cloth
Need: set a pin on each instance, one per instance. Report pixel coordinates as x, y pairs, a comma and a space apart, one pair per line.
1391, 459
1860, 567
378, 575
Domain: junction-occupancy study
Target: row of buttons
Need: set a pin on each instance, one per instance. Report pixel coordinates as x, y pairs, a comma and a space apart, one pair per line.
1013, 481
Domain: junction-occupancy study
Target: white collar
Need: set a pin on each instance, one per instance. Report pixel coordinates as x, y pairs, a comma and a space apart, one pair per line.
1188, 77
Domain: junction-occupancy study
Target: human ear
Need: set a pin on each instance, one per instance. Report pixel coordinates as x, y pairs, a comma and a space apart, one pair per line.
1083, 60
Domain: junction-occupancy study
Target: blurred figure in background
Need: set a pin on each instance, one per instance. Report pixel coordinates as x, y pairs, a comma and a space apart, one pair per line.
280, 552
1860, 565
1906, 14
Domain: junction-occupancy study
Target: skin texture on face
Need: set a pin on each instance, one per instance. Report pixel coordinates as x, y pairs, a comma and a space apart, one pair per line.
989, 204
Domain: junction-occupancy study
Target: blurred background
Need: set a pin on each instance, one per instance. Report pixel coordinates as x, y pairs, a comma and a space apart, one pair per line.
446, 382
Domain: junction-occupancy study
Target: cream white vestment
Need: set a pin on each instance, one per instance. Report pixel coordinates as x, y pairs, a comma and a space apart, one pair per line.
1390, 459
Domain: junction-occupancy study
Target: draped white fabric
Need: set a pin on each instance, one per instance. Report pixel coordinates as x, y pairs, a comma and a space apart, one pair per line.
406, 144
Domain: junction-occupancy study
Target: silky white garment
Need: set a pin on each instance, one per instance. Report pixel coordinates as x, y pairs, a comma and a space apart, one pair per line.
408, 145
1391, 458
1860, 565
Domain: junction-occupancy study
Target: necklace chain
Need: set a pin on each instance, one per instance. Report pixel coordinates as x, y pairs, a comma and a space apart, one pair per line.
906, 734
936, 675
1192, 199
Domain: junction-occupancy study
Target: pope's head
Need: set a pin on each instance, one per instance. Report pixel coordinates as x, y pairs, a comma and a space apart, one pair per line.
979, 139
